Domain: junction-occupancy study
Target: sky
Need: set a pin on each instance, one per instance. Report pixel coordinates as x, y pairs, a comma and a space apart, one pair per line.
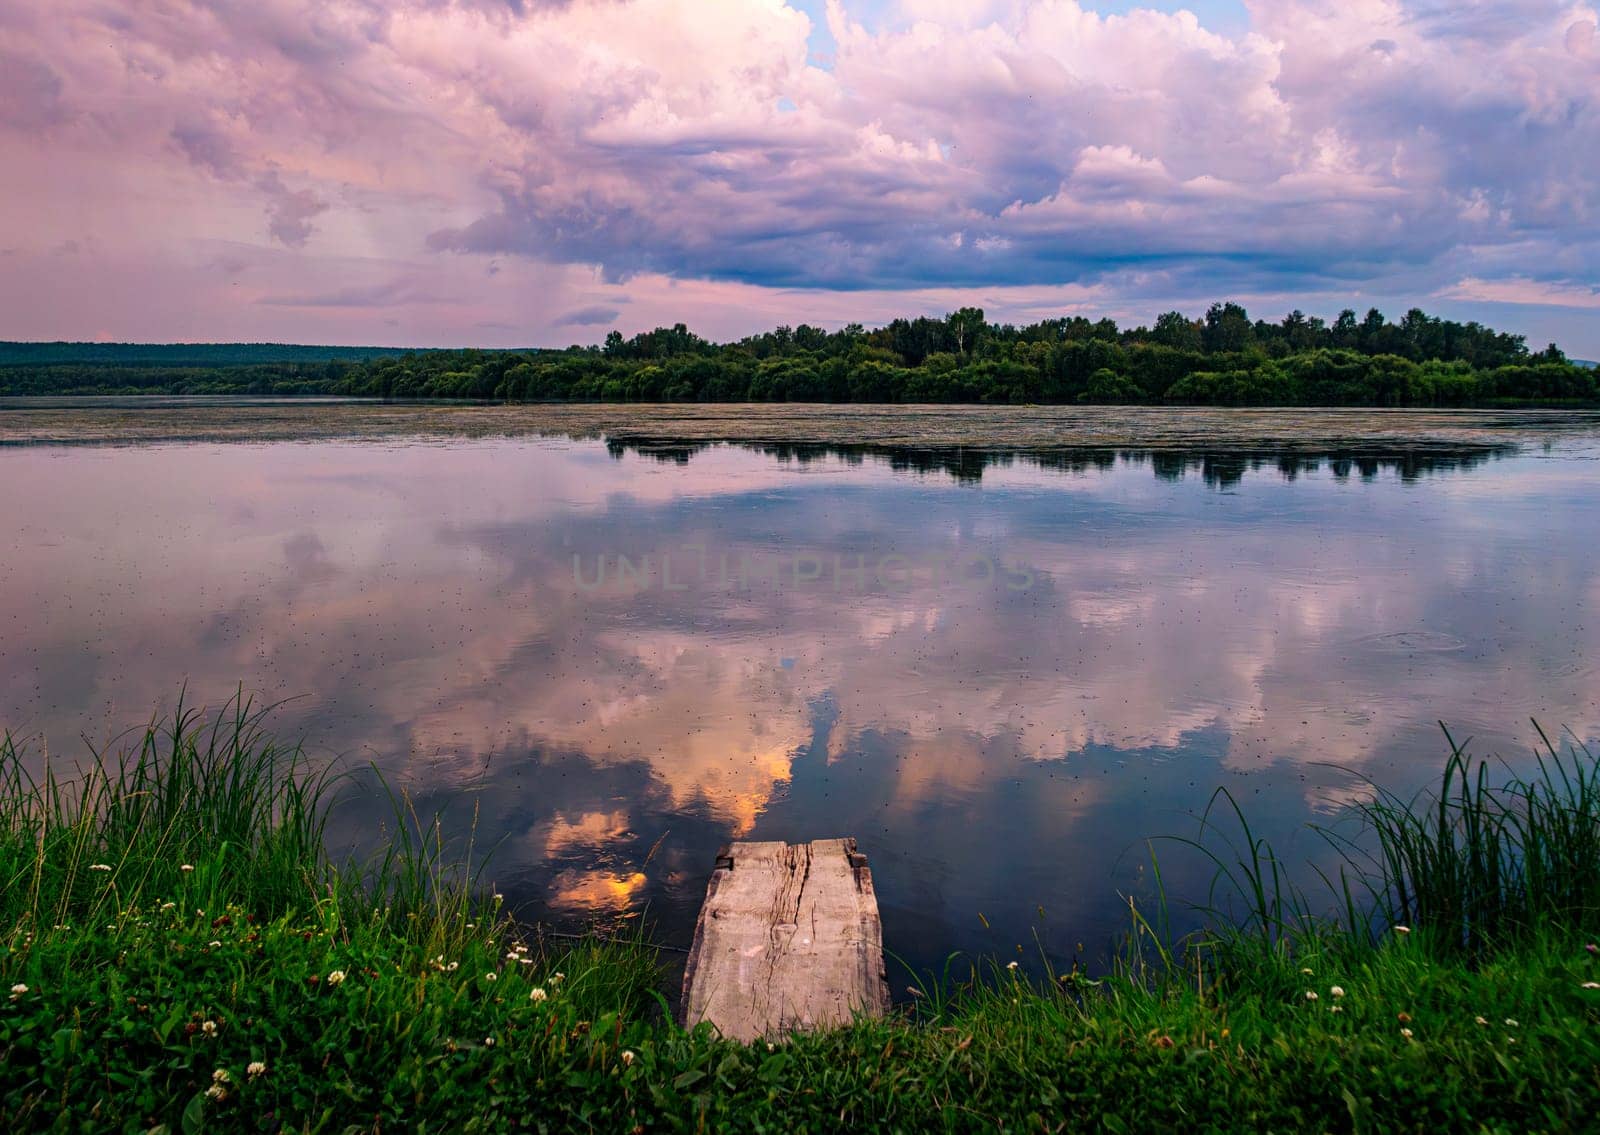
541, 172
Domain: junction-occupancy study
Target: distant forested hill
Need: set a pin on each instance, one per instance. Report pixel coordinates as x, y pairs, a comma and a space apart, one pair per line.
1220, 359
181, 354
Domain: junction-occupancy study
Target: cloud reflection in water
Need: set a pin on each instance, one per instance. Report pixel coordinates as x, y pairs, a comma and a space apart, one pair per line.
995, 748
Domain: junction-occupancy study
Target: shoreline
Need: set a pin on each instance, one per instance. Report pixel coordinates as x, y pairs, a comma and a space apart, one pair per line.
183, 953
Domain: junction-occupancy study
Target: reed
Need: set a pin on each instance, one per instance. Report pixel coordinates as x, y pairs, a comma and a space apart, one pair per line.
1486, 865
1482, 862
206, 807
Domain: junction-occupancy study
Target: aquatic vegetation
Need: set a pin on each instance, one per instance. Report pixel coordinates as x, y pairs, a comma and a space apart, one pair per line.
204, 809
1484, 864
961, 440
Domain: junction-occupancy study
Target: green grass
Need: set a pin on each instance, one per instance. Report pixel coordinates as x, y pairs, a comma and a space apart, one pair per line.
1487, 865
146, 996
209, 809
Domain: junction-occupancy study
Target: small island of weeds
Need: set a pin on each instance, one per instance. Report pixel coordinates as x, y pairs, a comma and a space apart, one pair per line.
180, 953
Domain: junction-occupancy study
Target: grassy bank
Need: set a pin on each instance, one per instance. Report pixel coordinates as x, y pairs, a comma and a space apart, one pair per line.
179, 951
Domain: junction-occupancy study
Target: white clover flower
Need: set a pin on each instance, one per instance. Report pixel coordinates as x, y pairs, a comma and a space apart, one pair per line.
488, 1042
336, 977
1011, 965
452, 967
169, 906
1406, 1033
557, 978
255, 1068
499, 897
1311, 995
537, 994
1590, 985
214, 943
1511, 1023
187, 867
220, 1076
209, 1028
217, 1092
491, 976
1337, 991
18, 990
1335, 1009
627, 1057
1306, 970
1402, 929
1481, 1020
99, 866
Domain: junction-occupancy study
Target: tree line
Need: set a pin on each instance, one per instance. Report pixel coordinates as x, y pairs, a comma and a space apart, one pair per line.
1220, 359
180, 354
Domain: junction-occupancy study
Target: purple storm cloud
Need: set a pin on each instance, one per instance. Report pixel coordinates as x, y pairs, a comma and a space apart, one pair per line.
521, 171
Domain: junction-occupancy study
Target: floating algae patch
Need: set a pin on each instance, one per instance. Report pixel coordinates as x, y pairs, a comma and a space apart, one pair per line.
677, 432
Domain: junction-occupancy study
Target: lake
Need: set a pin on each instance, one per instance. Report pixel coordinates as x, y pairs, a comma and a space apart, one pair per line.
1003, 648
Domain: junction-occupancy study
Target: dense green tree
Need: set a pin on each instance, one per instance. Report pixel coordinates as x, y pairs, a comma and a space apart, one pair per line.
1174, 329
1106, 385
965, 328
1221, 359
1227, 329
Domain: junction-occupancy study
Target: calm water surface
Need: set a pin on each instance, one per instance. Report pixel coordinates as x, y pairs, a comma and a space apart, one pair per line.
1002, 678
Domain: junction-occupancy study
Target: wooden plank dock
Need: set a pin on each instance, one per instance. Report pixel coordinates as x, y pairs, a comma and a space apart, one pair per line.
788, 939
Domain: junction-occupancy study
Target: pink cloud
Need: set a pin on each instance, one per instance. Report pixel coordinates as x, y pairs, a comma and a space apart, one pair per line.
1374, 147
1520, 290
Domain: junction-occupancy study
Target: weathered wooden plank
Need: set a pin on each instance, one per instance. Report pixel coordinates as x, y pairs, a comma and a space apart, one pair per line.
788, 939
